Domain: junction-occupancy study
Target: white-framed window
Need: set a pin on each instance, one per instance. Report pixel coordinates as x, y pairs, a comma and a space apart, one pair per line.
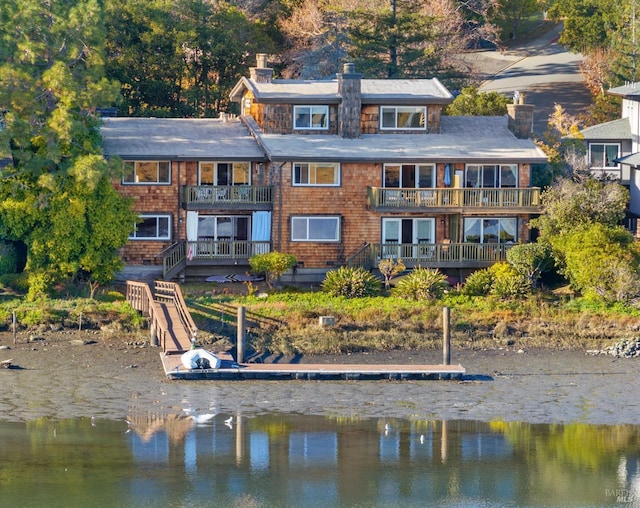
492, 175
152, 227
224, 173
316, 173
603, 155
403, 117
408, 176
490, 230
311, 117
315, 229
147, 173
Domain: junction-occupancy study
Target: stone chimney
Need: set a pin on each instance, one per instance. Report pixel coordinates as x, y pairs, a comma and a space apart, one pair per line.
261, 73
520, 116
349, 89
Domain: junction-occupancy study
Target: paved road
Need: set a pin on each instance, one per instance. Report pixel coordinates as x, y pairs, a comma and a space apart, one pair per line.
544, 70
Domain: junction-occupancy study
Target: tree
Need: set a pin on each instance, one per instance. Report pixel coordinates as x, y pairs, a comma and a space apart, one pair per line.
514, 11
530, 260
389, 269
272, 264
51, 80
471, 102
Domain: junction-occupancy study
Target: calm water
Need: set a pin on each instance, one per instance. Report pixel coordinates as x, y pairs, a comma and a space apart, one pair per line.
295, 460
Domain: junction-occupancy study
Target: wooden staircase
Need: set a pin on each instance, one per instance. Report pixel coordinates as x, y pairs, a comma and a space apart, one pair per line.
171, 324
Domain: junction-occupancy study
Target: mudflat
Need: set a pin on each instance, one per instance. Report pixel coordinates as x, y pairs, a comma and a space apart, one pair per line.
81, 374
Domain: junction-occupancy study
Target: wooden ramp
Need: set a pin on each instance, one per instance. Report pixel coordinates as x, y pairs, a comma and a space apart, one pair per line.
231, 370
179, 339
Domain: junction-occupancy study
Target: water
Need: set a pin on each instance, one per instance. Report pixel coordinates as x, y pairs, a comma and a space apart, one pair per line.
293, 460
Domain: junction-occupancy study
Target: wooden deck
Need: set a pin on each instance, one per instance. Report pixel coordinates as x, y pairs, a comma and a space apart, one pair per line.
175, 370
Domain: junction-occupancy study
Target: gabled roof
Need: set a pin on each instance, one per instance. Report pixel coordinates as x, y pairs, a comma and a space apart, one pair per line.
373, 91
632, 159
178, 139
462, 139
615, 130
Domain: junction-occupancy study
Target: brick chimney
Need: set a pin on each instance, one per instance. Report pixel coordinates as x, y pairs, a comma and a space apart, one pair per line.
261, 73
349, 89
520, 116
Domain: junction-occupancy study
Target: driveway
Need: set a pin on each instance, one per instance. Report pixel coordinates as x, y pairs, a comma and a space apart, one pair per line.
542, 69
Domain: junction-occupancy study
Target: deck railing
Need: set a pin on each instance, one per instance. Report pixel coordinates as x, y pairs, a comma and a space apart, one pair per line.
227, 195
140, 297
225, 249
171, 292
454, 198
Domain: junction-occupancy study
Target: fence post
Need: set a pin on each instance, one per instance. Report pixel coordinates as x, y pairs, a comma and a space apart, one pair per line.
241, 330
14, 327
446, 337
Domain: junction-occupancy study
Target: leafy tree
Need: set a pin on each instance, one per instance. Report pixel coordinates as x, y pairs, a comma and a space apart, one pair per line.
389, 268
569, 205
515, 11
471, 102
51, 80
603, 261
272, 264
530, 260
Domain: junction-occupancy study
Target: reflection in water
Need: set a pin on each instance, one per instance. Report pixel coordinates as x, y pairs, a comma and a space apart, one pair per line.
294, 460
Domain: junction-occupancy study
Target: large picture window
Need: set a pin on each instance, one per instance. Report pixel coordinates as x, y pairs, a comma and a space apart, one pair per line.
152, 227
492, 176
147, 172
315, 229
403, 117
603, 155
315, 173
224, 173
311, 117
494, 230
409, 176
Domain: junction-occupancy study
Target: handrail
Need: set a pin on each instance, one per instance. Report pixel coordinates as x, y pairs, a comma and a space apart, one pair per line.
170, 291
361, 258
141, 299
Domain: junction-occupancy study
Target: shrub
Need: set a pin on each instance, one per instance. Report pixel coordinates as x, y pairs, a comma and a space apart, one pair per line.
8, 258
421, 284
272, 264
479, 283
351, 283
508, 282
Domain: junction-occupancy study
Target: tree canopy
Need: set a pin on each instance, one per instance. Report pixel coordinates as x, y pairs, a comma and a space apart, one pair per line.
53, 194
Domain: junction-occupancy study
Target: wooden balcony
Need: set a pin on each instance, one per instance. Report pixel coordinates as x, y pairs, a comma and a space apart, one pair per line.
432, 255
210, 253
454, 200
227, 197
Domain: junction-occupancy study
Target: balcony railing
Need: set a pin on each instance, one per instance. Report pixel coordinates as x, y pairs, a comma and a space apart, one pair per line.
249, 196
432, 255
447, 198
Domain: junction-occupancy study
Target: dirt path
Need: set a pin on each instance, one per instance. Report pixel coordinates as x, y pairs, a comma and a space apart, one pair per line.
67, 376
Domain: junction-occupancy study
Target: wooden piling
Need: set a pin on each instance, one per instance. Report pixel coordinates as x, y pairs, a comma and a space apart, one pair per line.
242, 312
446, 337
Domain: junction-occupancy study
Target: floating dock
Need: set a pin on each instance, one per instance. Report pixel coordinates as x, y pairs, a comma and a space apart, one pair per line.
231, 370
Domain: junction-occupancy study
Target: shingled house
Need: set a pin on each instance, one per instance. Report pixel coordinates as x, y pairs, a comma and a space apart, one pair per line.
337, 172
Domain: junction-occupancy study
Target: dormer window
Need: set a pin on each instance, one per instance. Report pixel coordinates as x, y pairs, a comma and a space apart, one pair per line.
403, 117
311, 117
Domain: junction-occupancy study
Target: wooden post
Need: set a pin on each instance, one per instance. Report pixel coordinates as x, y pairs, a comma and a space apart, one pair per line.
80, 322
241, 328
446, 337
14, 327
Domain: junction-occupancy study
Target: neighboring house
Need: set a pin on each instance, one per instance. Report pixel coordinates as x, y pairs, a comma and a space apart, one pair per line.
336, 172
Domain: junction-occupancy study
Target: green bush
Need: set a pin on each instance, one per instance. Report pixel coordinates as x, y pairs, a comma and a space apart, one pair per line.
508, 282
8, 258
272, 265
351, 283
479, 283
421, 284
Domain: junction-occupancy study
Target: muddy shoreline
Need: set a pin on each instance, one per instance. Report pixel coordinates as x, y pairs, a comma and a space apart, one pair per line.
71, 375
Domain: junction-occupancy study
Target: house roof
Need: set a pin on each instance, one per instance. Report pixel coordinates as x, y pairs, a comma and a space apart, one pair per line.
629, 91
178, 139
615, 130
632, 159
373, 91
462, 139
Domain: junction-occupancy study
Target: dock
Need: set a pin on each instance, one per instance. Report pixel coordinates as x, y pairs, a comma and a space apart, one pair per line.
230, 370
173, 329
